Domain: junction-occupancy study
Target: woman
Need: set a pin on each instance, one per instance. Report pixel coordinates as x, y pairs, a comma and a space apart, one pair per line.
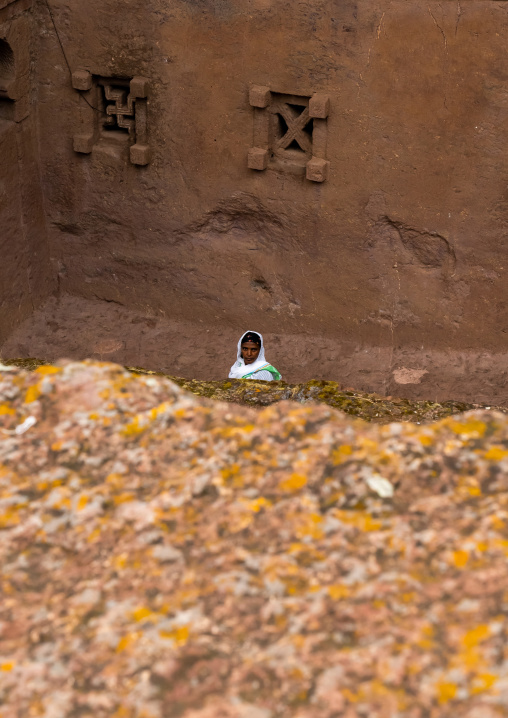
251, 362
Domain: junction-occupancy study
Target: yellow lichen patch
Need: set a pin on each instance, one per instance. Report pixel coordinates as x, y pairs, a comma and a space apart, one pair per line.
135, 427
230, 432
350, 696
116, 480
32, 394
470, 657
426, 440
501, 544
257, 504
10, 518
231, 476
120, 562
297, 547
83, 500
6, 410
408, 597
122, 712
427, 638
475, 636
498, 523
460, 558
94, 535
310, 525
359, 519
446, 691
341, 454
483, 682
158, 410
368, 443
294, 483
122, 498
468, 486
379, 691
7, 666
47, 370
496, 453
126, 641
142, 614
179, 635
471, 428
337, 592
298, 640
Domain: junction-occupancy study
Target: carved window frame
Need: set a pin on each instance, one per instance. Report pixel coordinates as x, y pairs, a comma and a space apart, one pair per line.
108, 98
301, 143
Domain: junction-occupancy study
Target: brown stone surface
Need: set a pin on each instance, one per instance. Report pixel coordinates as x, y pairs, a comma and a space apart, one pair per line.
25, 274
109, 331
401, 250
166, 556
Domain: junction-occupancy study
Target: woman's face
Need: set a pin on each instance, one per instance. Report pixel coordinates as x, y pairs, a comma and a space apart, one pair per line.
250, 352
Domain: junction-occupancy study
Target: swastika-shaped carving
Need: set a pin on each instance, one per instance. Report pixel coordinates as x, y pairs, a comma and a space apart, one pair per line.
115, 113
120, 112
289, 132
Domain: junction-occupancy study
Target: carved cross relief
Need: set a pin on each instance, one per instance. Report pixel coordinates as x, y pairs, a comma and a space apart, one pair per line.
295, 121
120, 111
289, 133
115, 112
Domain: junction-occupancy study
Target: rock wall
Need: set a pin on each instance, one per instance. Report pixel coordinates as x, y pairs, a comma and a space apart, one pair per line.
320, 169
25, 275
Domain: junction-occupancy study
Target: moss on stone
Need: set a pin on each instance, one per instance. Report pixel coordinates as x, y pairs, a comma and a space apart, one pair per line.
29, 364
369, 407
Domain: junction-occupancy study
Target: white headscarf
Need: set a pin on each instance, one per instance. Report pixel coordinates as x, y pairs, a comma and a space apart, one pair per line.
239, 368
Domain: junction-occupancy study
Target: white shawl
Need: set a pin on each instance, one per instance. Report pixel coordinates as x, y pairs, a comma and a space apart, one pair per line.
240, 369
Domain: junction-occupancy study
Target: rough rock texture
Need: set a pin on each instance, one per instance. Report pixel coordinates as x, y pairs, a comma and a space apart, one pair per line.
26, 278
369, 407
165, 555
396, 262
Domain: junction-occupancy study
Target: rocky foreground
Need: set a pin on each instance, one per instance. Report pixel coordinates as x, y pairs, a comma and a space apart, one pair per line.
165, 555
369, 407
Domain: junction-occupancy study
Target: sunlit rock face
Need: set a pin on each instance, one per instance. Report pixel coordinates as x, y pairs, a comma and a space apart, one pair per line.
167, 555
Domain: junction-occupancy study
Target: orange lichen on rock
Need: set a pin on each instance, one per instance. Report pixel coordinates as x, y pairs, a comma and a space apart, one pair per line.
166, 555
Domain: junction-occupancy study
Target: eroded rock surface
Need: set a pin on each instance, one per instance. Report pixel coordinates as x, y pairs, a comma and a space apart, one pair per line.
166, 555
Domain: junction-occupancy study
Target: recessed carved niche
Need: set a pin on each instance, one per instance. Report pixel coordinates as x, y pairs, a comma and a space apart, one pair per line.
289, 132
116, 113
7, 76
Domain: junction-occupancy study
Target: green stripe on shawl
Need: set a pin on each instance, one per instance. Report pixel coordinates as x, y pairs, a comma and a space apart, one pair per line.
273, 371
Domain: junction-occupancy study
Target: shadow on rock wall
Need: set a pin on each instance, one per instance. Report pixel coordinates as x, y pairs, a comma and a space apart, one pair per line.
244, 234
415, 270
